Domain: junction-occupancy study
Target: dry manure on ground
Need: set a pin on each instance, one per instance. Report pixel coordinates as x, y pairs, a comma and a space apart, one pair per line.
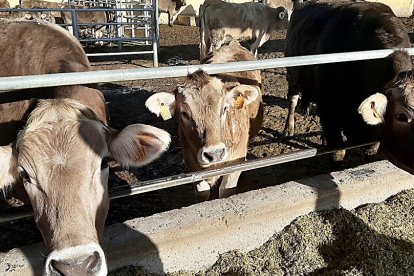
375, 239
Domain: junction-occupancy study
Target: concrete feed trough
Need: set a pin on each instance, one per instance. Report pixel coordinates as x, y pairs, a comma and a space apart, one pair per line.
192, 238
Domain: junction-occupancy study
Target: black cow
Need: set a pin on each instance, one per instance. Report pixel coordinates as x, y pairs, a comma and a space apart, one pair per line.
321, 27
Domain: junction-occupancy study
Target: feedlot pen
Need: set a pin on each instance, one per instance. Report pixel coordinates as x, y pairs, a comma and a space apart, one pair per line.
125, 24
126, 105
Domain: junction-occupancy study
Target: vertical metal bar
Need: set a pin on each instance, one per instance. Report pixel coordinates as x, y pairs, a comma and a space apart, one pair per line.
120, 28
146, 25
155, 32
74, 15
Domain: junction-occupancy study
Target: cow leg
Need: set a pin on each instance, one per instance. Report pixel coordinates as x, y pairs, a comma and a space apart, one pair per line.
99, 34
170, 19
203, 188
70, 29
202, 191
256, 44
228, 184
253, 49
290, 120
370, 152
334, 137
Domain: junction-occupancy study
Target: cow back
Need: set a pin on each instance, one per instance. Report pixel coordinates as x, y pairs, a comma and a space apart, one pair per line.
43, 49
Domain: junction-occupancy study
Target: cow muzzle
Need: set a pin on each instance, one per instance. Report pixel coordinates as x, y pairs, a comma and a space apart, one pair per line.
82, 260
211, 155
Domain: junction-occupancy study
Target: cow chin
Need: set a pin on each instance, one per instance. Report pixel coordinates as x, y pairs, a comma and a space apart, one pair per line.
87, 259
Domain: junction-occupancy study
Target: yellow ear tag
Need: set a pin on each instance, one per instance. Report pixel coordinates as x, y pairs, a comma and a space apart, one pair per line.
239, 102
165, 112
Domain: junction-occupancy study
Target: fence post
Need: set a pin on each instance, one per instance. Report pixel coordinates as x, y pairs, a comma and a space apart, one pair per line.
74, 16
155, 32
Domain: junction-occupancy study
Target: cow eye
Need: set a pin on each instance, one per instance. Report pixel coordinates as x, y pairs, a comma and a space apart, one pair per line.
225, 108
185, 115
23, 174
105, 162
401, 117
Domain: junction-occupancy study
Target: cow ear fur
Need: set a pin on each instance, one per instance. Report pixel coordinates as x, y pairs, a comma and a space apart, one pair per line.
248, 92
138, 145
373, 109
8, 167
161, 104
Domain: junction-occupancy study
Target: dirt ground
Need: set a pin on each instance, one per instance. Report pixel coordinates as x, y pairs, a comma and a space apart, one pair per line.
179, 46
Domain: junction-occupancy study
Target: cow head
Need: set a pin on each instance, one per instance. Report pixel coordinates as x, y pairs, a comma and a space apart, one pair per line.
393, 112
202, 106
278, 18
60, 158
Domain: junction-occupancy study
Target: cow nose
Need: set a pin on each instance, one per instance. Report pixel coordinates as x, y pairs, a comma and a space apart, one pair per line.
213, 154
82, 267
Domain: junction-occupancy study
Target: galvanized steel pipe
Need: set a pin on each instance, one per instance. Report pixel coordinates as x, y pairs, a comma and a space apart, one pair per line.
37, 81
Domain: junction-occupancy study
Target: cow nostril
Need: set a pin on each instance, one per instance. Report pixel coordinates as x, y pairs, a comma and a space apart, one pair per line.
208, 157
88, 265
222, 153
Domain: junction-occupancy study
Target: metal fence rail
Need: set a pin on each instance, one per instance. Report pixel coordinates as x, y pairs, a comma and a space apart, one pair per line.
37, 81
182, 179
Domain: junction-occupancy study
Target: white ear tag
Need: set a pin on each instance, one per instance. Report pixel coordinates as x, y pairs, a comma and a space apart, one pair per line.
165, 112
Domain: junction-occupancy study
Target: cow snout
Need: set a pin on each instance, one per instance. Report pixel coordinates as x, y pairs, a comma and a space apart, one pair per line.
212, 154
79, 260
86, 266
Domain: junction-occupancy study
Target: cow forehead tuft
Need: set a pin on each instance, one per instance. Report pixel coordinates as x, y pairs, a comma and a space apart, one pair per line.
58, 109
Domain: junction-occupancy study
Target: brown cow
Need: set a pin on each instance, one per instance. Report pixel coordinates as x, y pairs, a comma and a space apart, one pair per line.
221, 22
171, 7
4, 4
99, 18
55, 142
34, 16
216, 116
40, 4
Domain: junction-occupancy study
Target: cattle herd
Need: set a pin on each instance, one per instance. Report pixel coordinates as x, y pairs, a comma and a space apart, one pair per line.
56, 142
98, 19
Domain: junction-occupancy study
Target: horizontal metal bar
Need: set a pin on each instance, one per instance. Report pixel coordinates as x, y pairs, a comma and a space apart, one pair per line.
37, 81
182, 179
178, 180
112, 23
127, 39
119, 54
74, 9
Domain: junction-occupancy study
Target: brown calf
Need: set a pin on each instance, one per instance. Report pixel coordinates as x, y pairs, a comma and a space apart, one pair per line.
216, 116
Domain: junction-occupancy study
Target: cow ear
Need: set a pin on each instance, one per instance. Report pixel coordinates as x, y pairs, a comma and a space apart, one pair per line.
161, 104
138, 145
373, 109
8, 167
242, 95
